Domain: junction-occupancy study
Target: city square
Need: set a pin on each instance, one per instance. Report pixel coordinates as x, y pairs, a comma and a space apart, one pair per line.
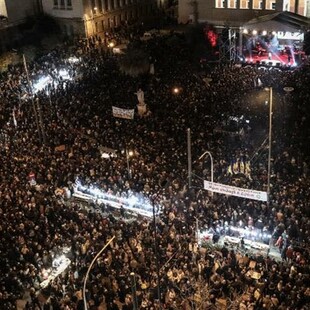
145, 168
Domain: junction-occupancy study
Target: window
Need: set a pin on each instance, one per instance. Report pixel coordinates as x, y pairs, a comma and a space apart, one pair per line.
244, 4
257, 4
219, 4
69, 4
273, 5
55, 3
62, 4
232, 4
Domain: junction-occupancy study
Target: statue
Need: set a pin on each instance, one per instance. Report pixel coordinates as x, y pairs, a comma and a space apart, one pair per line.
141, 106
140, 96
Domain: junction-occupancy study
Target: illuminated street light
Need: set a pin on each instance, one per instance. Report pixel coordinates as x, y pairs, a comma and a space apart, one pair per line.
111, 44
264, 33
254, 32
245, 31
176, 90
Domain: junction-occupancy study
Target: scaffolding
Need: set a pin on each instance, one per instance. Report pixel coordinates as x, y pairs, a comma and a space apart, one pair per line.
228, 45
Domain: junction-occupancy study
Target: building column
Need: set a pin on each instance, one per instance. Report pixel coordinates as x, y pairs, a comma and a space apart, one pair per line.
238, 4
103, 6
250, 4
115, 4
109, 5
296, 6
264, 5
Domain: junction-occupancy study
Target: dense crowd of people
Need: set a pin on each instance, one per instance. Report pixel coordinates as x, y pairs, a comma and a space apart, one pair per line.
73, 117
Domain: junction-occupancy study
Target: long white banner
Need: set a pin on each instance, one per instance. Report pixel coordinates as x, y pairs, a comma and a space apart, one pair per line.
235, 191
123, 113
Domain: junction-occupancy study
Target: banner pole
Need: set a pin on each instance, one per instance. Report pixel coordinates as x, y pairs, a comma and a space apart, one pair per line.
189, 158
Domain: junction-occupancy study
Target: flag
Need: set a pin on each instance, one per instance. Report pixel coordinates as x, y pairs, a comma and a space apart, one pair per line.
239, 165
14, 118
229, 170
123, 113
235, 166
247, 169
242, 166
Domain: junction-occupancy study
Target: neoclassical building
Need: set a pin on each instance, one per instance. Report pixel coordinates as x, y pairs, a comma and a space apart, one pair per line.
94, 17
12, 16
235, 13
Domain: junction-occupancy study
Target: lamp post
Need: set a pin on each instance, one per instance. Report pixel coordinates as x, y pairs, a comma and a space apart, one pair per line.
211, 159
35, 105
134, 290
269, 144
156, 254
128, 154
189, 157
89, 268
287, 90
240, 43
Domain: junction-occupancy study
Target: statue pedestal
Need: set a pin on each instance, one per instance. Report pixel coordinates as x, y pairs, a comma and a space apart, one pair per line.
141, 109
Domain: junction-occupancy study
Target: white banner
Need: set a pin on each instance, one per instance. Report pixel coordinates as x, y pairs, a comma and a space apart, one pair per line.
235, 191
123, 113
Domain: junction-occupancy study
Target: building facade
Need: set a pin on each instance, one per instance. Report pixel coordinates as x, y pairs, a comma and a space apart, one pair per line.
234, 13
95, 17
12, 16
17, 14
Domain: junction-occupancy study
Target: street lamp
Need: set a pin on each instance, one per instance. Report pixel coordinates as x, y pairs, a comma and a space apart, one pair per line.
156, 254
211, 159
134, 290
287, 90
128, 155
269, 144
89, 268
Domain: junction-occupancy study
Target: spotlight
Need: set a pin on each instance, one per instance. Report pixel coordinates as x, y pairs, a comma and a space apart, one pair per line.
264, 33
254, 32
245, 31
274, 33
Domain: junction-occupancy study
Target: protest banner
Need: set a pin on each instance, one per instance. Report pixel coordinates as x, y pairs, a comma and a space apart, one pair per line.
235, 191
123, 113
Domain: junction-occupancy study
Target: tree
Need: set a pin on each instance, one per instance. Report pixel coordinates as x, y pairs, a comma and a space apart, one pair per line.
134, 63
307, 43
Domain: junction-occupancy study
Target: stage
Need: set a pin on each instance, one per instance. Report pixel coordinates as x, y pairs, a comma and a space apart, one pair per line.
275, 60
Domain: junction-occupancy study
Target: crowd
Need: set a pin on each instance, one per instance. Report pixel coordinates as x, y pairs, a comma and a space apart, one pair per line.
37, 224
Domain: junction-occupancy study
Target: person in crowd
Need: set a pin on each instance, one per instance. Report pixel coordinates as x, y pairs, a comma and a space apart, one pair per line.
73, 113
